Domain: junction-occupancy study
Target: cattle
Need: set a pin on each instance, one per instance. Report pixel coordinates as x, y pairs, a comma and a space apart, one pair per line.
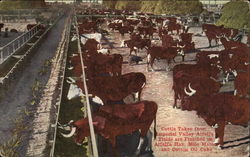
248, 39
113, 120
125, 29
212, 36
159, 20
114, 26
231, 44
208, 57
30, 26
167, 40
202, 85
1, 26
218, 110
208, 27
186, 43
212, 32
135, 36
187, 47
158, 52
116, 88
162, 31
136, 44
13, 31
229, 32
88, 25
186, 37
194, 70
174, 27
98, 64
241, 84
149, 31
146, 31
91, 45
132, 22
202, 70
234, 60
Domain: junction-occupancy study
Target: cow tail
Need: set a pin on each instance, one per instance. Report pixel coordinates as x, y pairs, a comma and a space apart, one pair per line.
155, 132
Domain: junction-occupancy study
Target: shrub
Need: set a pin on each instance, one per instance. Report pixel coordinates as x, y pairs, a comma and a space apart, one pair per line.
235, 15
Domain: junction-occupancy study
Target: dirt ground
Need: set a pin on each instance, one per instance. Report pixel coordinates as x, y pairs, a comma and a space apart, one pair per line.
159, 89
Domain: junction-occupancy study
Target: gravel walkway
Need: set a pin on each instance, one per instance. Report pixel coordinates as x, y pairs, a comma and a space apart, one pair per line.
20, 96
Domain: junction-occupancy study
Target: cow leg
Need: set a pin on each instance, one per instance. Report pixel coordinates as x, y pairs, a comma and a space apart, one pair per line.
168, 64
148, 61
219, 134
152, 62
149, 139
175, 101
209, 41
138, 149
136, 49
115, 152
139, 95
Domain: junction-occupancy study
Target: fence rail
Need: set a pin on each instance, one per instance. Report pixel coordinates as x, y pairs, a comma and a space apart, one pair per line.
94, 149
64, 49
13, 46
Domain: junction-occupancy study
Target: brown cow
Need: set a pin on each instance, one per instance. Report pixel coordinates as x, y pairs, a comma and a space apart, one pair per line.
136, 44
234, 60
232, 44
91, 45
174, 27
115, 88
218, 110
30, 26
114, 120
13, 31
208, 57
1, 26
212, 32
202, 85
125, 29
158, 52
167, 40
98, 65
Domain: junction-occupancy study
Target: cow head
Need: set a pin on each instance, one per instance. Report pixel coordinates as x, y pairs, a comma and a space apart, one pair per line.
80, 130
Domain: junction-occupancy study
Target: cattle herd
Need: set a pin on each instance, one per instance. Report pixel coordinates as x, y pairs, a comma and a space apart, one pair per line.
13, 30
197, 86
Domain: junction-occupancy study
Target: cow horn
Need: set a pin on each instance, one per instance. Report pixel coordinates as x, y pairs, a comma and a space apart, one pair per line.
192, 90
188, 93
73, 130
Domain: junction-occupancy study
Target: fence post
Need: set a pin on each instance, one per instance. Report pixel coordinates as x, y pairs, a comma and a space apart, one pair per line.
23, 39
1, 54
18, 43
8, 48
13, 45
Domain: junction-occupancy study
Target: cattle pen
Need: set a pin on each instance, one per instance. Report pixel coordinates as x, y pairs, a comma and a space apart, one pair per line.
112, 83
